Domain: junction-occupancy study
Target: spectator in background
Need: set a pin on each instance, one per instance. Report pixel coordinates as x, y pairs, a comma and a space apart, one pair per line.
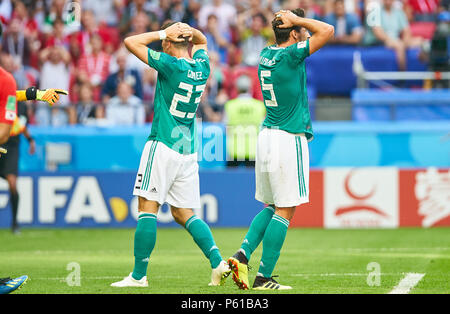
347, 28
218, 42
437, 54
125, 108
141, 23
421, 10
243, 117
393, 32
91, 28
350, 6
85, 112
149, 77
16, 43
22, 77
55, 73
252, 8
123, 74
444, 6
231, 71
226, 15
58, 36
75, 50
59, 10
255, 39
312, 10
132, 9
178, 12
93, 68
214, 96
25, 15
55, 12
105, 11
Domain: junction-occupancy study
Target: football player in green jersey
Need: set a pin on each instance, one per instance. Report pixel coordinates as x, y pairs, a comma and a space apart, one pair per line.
282, 158
168, 171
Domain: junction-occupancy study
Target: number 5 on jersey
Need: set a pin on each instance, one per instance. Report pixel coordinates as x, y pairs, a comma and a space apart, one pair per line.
186, 99
273, 100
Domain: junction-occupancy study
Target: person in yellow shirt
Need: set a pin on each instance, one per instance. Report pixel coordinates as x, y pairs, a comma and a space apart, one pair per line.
243, 117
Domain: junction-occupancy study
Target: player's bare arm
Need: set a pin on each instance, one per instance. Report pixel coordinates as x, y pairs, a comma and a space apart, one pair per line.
198, 40
322, 32
137, 44
5, 129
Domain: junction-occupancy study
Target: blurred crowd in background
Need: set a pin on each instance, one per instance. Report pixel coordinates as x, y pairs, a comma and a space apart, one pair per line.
77, 46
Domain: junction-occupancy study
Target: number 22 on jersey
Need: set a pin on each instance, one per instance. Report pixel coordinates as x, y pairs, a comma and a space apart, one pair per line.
186, 99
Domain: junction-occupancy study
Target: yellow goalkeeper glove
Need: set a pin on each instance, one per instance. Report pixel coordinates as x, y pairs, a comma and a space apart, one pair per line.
51, 95
2, 151
17, 128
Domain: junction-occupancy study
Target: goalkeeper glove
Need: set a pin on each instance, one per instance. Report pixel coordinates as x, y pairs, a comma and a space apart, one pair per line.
17, 128
51, 95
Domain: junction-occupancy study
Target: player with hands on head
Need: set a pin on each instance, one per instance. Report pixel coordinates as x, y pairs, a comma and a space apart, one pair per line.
282, 158
168, 171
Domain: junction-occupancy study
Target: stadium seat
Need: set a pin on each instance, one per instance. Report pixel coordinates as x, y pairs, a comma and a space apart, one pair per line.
400, 104
338, 60
423, 29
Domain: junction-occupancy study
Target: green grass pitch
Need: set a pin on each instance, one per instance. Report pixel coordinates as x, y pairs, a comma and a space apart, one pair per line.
312, 260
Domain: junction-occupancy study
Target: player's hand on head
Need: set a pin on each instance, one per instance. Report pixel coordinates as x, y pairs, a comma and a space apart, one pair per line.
177, 31
186, 31
287, 17
51, 95
174, 32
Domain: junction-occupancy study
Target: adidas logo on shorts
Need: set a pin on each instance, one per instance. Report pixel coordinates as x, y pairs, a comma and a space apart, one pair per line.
153, 190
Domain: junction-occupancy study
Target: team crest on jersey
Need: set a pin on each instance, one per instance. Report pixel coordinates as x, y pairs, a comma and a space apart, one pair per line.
301, 44
155, 55
10, 113
11, 103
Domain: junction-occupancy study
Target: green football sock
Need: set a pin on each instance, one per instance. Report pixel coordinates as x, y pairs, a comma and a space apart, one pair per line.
144, 242
272, 244
202, 235
256, 231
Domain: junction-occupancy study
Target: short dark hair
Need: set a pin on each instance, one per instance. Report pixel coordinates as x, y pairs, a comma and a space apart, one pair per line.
282, 34
183, 44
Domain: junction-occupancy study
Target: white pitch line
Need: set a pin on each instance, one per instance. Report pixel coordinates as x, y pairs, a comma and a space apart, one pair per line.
407, 283
341, 275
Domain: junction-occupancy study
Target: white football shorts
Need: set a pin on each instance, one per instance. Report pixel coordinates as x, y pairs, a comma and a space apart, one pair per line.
166, 176
282, 168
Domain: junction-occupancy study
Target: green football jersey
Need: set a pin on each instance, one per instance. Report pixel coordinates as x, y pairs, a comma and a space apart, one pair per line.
282, 75
179, 88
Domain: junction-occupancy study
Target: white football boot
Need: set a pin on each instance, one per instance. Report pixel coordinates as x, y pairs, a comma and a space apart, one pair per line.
220, 274
131, 282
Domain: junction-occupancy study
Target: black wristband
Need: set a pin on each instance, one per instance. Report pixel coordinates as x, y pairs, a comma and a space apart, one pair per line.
31, 93
30, 139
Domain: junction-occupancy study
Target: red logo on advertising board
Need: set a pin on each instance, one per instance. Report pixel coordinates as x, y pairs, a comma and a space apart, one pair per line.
425, 197
359, 200
363, 197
